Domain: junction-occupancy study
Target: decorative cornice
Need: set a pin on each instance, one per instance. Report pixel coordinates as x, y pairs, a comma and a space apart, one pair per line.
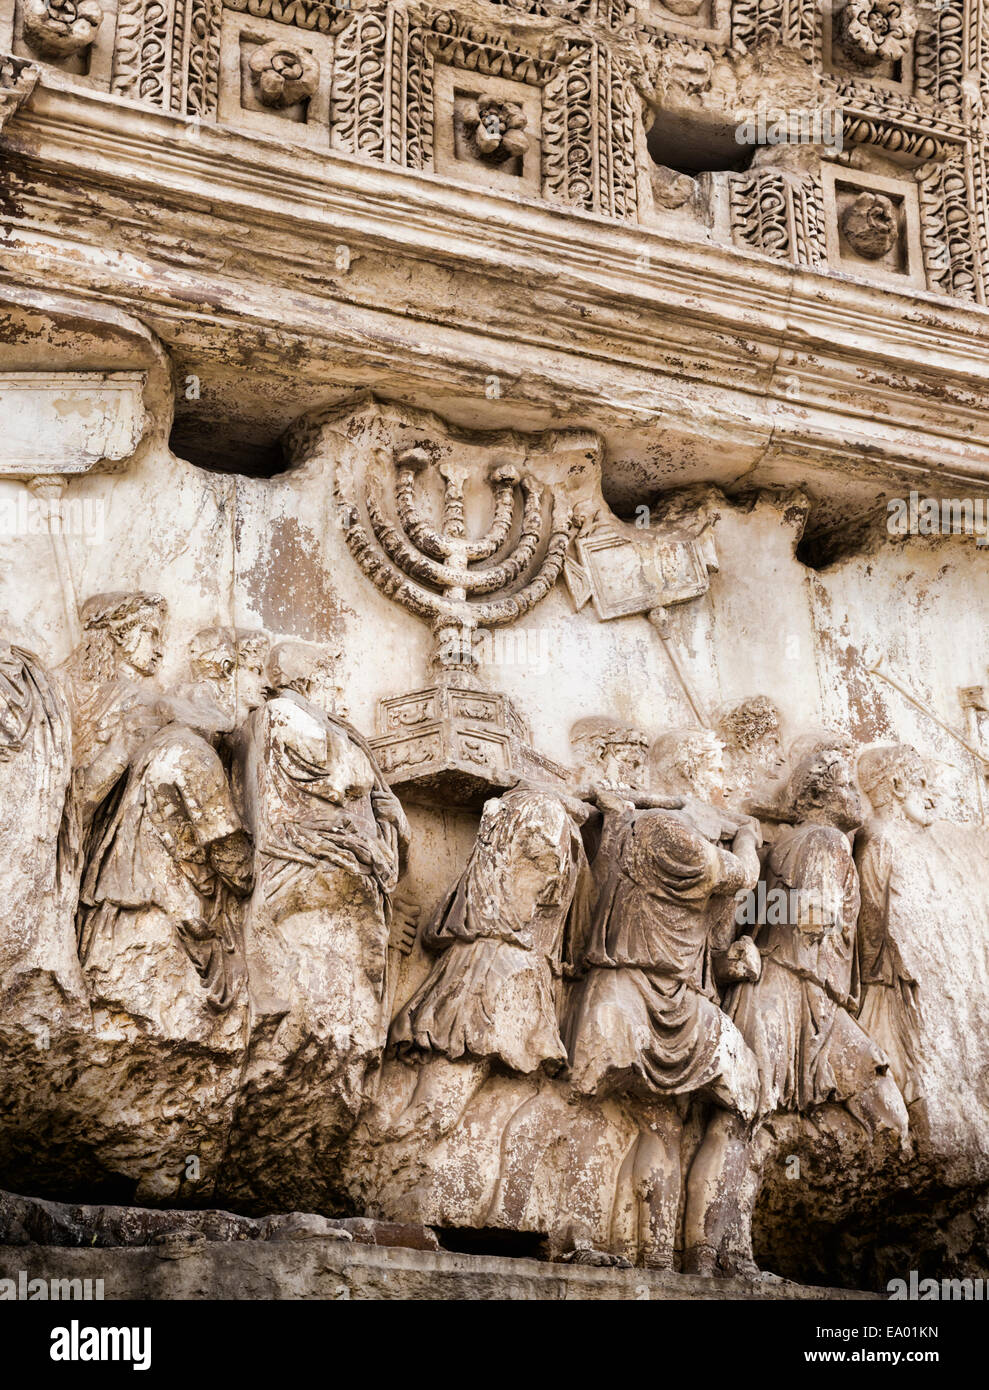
701, 341
18, 79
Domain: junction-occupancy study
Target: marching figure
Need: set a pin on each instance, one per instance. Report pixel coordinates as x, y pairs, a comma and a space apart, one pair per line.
645, 1019
795, 1008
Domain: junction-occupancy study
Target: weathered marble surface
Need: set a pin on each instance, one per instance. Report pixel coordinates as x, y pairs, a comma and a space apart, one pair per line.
316, 1269
275, 987
445, 594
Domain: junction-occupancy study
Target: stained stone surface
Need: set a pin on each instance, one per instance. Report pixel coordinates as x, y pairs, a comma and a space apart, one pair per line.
317, 1269
494, 733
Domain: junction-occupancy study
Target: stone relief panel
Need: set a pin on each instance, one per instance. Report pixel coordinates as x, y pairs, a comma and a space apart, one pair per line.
275, 82
707, 21
487, 130
872, 40
874, 220
672, 946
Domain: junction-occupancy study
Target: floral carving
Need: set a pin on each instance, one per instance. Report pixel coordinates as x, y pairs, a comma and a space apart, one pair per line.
495, 129
60, 28
870, 225
875, 31
283, 75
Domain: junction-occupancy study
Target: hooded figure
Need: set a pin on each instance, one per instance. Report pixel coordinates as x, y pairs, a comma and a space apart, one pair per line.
494, 992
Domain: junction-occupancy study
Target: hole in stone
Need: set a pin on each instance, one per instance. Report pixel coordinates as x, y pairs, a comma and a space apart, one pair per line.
852, 536
690, 146
519, 1245
226, 451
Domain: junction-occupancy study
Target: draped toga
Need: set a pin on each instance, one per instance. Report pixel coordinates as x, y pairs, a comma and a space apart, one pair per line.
646, 1012
494, 992
796, 1017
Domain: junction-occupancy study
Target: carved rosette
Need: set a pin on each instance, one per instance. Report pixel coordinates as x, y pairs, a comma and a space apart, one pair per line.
875, 31
283, 73
60, 28
870, 225
496, 129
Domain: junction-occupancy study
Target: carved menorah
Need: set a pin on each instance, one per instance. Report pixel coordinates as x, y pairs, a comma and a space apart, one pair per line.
442, 575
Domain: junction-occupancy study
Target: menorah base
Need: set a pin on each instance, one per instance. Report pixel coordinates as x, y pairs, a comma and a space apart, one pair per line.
446, 746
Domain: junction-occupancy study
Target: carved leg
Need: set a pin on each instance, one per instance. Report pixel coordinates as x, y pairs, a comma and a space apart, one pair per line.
735, 1253
720, 1190
442, 1093
656, 1178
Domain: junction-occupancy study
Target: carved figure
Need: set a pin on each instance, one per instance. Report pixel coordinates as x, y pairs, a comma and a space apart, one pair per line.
156, 904
35, 763
645, 1018
113, 705
330, 839
494, 992
794, 1006
888, 852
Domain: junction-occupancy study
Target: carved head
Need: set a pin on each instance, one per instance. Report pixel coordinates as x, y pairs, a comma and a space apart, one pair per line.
895, 779
689, 761
822, 789
251, 646
306, 668
523, 857
212, 654
212, 659
819, 740
752, 726
122, 630
610, 753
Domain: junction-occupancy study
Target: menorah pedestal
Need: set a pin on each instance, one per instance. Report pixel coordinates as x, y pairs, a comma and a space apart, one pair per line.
445, 746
